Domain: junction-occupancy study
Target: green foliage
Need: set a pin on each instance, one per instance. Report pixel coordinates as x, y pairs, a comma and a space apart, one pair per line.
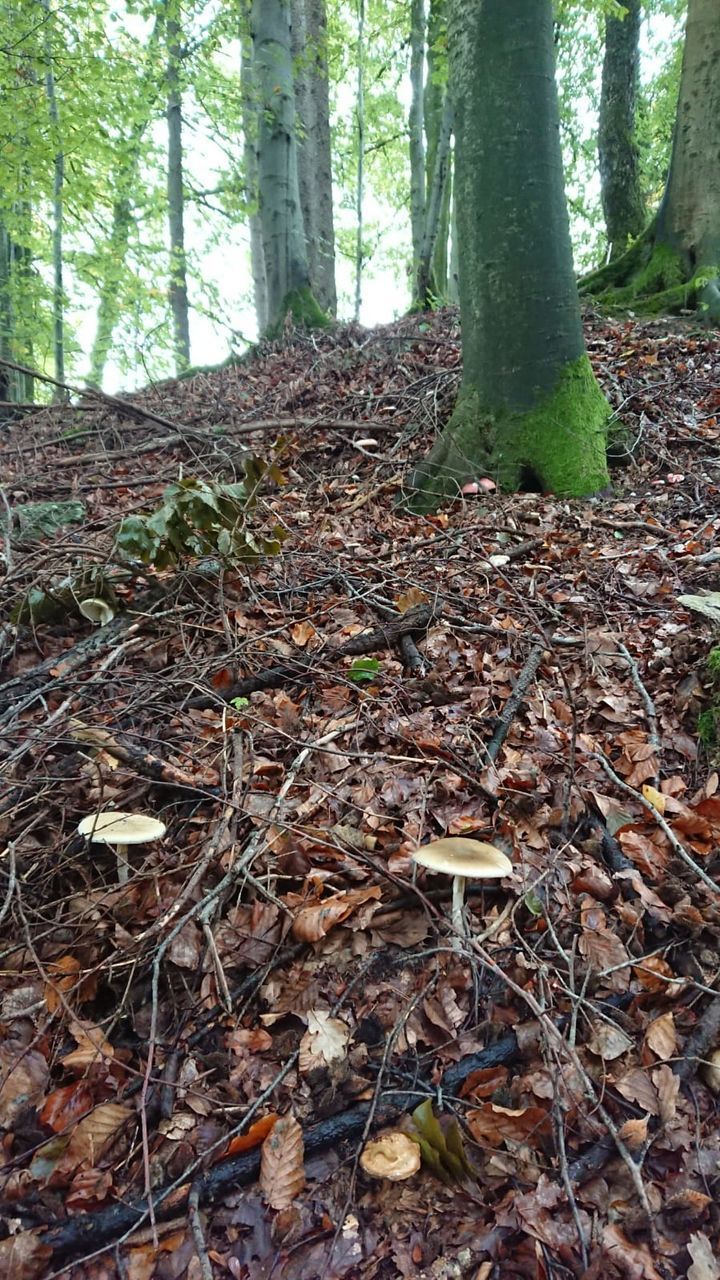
363, 670
198, 518
441, 1145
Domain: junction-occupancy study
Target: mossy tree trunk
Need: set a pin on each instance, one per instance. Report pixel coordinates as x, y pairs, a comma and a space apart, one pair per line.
283, 232
529, 412
618, 154
675, 264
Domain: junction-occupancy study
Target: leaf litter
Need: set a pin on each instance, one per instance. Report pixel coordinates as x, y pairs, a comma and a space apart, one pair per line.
193, 1063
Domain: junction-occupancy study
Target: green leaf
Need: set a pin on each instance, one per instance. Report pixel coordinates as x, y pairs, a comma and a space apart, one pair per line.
363, 669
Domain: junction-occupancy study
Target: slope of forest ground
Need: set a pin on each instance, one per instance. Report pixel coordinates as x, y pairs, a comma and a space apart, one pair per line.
274, 955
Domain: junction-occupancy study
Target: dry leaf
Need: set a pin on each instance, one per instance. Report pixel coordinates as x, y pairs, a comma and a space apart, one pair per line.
655, 798
24, 1256
705, 1265
636, 1086
609, 1041
92, 1047
256, 1134
93, 1135
302, 632
661, 1037
313, 922
634, 1134
325, 1041
186, 948
492, 1125
23, 1080
282, 1173
668, 1088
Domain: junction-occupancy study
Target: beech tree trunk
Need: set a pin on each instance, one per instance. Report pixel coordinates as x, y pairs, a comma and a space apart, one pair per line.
59, 393
286, 263
675, 264
250, 125
530, 413
312, 109
179, 304
416, 125
618, 155
428, 287
435, 105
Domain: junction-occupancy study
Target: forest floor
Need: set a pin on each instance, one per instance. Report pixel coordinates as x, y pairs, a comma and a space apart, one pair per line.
275, 984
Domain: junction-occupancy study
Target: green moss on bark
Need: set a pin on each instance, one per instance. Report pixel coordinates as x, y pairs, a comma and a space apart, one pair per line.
558, 446
305, 311
652, 279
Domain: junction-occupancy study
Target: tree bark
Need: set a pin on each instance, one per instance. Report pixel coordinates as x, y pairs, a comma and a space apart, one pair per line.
250, 125
286, 264
434, 105
530, 413
179, 304
618, 155
427, 286
675, 264
312, 108
360, 176
416, 123
57, 224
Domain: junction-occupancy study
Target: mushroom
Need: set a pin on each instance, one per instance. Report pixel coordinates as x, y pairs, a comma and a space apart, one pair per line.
391, 1155
463, 860
120, 830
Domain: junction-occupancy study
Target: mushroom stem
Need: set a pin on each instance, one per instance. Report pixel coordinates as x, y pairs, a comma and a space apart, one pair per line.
457, 912
123, 868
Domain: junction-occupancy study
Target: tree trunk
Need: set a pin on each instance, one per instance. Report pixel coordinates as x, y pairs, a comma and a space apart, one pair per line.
250, 125
530, 413
286, 264
15, 386
360, 178
312, 109
675, 264
618, 155
176, 194
59, 393
417, 145
427, 287
435, 100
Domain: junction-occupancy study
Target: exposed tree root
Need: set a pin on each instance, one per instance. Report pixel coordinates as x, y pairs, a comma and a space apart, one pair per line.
654, 279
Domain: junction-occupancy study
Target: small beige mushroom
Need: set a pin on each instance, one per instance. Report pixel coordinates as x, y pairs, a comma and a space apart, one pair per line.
391, 1155
121, 830
97, 610
462, 859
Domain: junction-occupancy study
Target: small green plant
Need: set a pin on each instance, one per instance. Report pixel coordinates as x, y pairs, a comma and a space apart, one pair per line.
363, 670
239, 703
199, 518
709, 720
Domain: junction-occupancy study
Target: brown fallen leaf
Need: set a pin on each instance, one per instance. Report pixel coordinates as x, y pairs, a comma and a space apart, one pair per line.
313, 922
24, 1257
282, 1172
661, 1037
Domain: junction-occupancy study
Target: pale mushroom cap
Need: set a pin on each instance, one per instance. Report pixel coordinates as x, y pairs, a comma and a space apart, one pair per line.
121, 828
392, 1155
458, 856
